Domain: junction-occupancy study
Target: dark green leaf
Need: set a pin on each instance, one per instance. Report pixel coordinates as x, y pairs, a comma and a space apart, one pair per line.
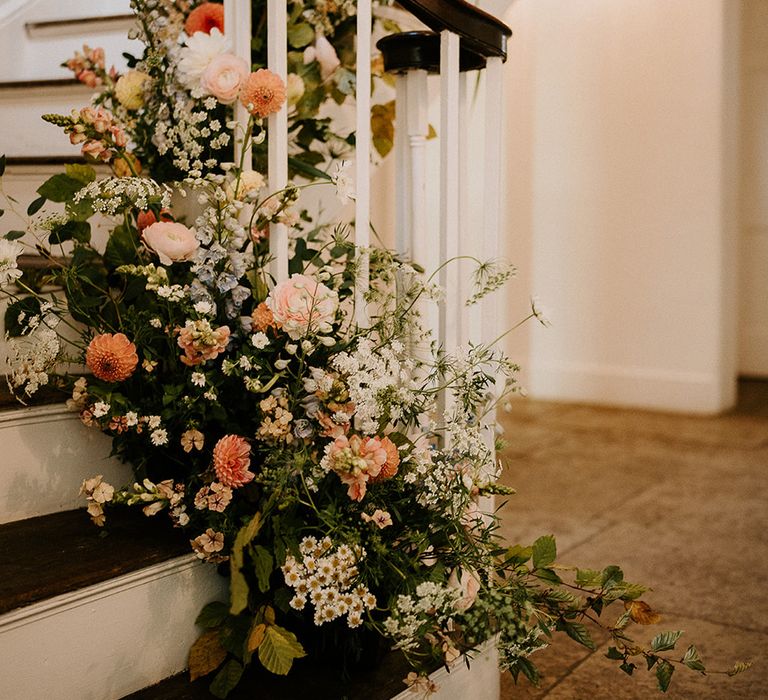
527, 669
70, 231
13, 235
665, 641
577, 632
212, 615
664, 673
692, 659
651, 661
2, 165
611, 576
29, 306
121, 248
305, 169
544, 551
299, 35
627, 667
226, 679
60, 188
614, 653
36, 206
548, 575
263, 565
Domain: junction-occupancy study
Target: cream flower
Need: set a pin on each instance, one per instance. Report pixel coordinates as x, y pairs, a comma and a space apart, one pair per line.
195, 57
9, 252
129, 89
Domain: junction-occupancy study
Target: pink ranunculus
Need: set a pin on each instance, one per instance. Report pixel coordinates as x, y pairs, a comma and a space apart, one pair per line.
301, 304
231, 459
173, 242
224, 76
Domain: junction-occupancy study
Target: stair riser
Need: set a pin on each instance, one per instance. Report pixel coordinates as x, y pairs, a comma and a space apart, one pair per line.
109, 640
46, 453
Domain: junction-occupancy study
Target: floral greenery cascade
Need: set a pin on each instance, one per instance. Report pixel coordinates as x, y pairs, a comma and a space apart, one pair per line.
309, 455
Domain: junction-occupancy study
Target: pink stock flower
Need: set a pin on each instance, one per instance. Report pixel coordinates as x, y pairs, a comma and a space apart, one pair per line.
301, 304
231, 459
111, 358
201, 342
263, 93
173, 242
96, 150
224, 77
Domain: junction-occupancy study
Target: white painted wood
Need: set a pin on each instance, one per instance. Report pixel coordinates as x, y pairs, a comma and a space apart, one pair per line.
481, 681
277, 62
237, 28
46, 454
449, 187
402, 169
467, 321
753, 241
108, 640
362, 156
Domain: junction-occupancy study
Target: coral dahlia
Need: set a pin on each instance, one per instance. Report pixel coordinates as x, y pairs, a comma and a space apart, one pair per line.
231, 459
263, 93
204, 18
111, 358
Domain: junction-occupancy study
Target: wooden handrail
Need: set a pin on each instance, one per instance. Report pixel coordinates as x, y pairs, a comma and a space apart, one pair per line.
480, 31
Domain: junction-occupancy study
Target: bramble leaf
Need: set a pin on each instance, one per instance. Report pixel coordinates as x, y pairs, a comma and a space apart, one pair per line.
665, 641
664, 673
278, 649
544, 552
692, 659
577, 632
226, 679
206, 654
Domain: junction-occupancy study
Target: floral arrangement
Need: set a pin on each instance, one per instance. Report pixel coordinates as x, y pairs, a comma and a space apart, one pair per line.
336, 471
174, 102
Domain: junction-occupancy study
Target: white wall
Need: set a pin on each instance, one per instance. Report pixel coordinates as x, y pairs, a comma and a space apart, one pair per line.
622, 190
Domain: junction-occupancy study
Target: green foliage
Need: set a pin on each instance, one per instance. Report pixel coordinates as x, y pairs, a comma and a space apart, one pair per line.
27, 306
279, 649
226, 679
665, 641
544, 552
35, 206
212, 615
692, 659
70, 231
664, 671
14, 235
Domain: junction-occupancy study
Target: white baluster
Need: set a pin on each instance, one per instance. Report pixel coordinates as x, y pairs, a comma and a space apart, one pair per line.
277, 131
363, 155
402, 169
237, 28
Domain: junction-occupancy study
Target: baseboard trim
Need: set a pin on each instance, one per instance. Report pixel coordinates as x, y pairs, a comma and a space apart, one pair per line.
635, 387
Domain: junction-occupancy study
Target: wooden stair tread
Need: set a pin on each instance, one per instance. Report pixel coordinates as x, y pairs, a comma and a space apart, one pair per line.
380, 683
54, 554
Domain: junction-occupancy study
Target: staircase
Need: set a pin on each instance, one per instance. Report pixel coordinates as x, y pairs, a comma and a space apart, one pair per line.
85, 614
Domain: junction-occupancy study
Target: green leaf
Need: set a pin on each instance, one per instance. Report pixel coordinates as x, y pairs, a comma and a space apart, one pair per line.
548, 575
519, 554
2, 212
651, 661
577, 632
589, 578
278, 650
664, 673
544, 551
29, 305
80, 172
60, 188
70, 231
305, 169
13, 235
36, 206
528, 670
2, 165
614, 653
301, 34
121, 248
665, 641
612, 576
263, 565
692, 659
238, 584
627, 667
227, 679
212, 615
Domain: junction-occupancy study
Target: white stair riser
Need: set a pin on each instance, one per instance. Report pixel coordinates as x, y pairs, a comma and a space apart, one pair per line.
108, 640
46, 453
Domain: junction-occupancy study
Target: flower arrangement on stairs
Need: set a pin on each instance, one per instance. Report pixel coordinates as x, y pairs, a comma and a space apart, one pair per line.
307, 454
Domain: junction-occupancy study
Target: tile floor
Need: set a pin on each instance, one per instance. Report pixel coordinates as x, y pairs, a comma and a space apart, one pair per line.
681, 503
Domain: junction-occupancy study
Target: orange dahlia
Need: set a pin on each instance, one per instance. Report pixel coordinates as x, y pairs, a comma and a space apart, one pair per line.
263, 93
262, 318
231, 459
209, 15
110, 357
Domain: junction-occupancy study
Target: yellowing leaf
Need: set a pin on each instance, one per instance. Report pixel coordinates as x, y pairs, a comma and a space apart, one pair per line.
269, 615
206, 655
238, 589
256, 637
642, 613
278, 649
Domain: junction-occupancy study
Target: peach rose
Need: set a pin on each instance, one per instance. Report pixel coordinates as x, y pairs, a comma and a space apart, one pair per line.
224, 76
173, 242
301, 304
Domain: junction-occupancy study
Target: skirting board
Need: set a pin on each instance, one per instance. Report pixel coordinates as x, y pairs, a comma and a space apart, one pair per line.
679, 392
108, 640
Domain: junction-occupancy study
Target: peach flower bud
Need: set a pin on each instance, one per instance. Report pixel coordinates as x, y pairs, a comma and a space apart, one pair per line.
224, 76
173, 242
111, 358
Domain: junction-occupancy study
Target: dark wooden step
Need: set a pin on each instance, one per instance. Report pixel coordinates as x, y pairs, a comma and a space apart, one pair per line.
306, 680
54, 554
